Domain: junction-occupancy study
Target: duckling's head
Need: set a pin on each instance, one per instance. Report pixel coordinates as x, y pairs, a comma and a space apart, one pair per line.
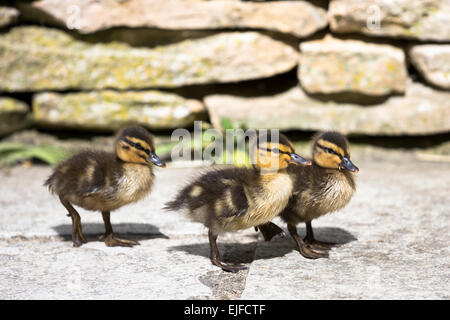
331, 150
276, 152
135, 145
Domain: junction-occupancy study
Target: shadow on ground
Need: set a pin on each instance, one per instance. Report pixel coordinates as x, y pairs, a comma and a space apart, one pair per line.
329, 234
131, 231
233, 252
236, 252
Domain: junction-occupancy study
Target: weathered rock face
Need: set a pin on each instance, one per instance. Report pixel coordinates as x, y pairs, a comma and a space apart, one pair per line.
109, 110
8, 16
36, 58
299, 18
421, 111
433, 62
332, 65
410, 19
13, 115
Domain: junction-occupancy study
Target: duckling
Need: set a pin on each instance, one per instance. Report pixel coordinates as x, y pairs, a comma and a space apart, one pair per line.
105, 181
322, 188
233, 198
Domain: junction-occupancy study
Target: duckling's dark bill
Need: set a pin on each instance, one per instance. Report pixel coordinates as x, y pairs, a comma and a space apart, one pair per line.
295, 158
156, 160
347, 164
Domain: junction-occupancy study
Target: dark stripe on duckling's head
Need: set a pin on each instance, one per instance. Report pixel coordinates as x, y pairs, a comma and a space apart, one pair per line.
333, 140
137, 135
138, 144
277, 138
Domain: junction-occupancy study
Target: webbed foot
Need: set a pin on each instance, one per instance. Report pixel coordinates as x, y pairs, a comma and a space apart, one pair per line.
305, 249
77, 237
215, 256
321, 245
77, 242
112, 241
310, 252
229, 267
316, 244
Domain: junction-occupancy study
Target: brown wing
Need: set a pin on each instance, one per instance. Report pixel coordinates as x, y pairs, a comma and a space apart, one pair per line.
87, 174
221, 191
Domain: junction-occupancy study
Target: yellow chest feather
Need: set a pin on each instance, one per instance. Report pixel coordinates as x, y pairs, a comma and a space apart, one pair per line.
333, 196
269, 199
135, 183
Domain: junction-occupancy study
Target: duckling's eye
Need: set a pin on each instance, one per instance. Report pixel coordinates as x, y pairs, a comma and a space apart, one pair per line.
328, 150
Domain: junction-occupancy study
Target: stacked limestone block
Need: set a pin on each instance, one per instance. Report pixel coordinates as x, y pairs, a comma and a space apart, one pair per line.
362, 67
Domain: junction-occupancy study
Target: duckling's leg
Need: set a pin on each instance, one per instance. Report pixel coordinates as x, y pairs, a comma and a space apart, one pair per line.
270, 230
215, 256
77, 234
313, 243
304, 249
110, 239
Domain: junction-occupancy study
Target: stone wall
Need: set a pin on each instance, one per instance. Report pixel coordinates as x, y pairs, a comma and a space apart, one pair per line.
361, 67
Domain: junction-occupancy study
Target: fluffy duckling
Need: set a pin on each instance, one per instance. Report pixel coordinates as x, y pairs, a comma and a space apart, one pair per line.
105, 181
229, 199
324, 187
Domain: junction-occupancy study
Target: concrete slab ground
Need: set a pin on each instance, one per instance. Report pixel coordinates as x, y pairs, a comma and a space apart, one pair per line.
394, 239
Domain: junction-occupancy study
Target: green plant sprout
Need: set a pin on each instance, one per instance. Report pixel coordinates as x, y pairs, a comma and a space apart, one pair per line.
12, 153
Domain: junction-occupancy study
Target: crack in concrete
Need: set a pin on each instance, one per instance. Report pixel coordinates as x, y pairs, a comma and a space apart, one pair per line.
227, 285
224, 285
